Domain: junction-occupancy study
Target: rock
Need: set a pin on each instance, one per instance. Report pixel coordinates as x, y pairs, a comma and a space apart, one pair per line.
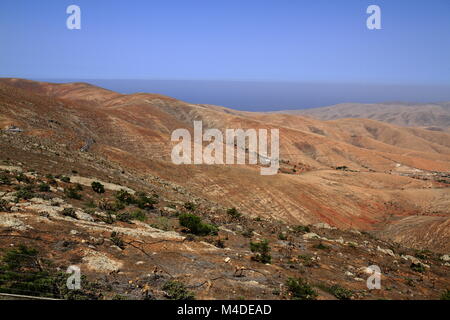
349, 274
386, 251
73, 232
445, 258
355, 232
139, 263
311, 235
227, 259
12, 221
414, 261
11, 168
169, 210
99, 261
322, 225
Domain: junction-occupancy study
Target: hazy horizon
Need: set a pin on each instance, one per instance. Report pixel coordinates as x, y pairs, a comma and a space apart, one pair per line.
273, 95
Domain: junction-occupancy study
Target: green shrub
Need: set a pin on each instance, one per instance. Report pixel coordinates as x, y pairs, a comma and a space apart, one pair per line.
43, 187
176, 290
25, 193
23, 178
301, 229
69, 212
321, 246
4, 179
262, 251
125, 197
124, 217
117, 240
417, 267
4, 206
196, 226
22, 271
282, 236
138, 215
144, 202
65, 179
299, 289
446, 295
72, 193
234, 213
190, 206
340, 292
98, 187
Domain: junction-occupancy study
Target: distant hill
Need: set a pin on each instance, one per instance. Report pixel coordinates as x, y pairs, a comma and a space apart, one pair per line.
433, 116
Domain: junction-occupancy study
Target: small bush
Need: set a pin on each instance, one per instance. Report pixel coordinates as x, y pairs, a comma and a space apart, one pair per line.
301, 229
446, 295
124, 217
125, 197
262, 251
65, 179
196, 226
69, 212
176, 290
105, 204
72, 193
43, 187
117, 240
340, 292
190, 206
4, 206
299, 289
4, 179
321, 246
23, 178
144, 202
138, 215
234, 213
417, 267
25, 193
282, 236
98, 187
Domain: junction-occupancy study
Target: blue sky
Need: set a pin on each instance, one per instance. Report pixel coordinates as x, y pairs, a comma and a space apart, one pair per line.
267, 40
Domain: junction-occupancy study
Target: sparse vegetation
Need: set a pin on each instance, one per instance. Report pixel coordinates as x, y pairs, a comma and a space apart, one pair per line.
417, 267
301, 229
4, 179
446, 295
145, 202
72, 193
25, 192
98, 187
262, 250
299, 289
195, 225
190, 206
125, 197
321, 246
234, 213
176, 290
117, 240
339, 292
65, 179
282, 236
23, 271
43, 187
69, 212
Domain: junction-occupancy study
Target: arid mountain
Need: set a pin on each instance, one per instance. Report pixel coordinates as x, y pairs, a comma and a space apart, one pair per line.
353, 174
432, 116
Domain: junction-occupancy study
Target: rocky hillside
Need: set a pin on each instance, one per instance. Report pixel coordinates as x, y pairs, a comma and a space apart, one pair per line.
349, 194
432, 116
